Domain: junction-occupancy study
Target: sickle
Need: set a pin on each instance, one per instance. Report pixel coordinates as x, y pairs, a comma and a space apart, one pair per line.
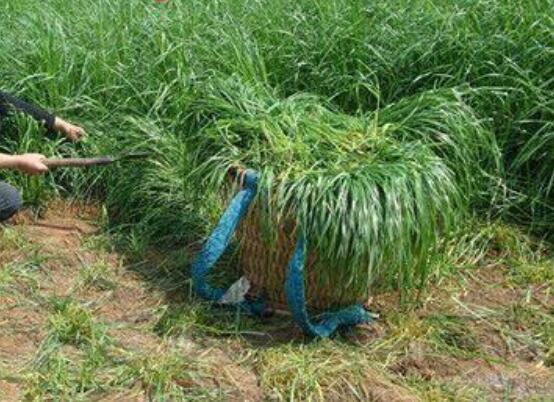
96, 161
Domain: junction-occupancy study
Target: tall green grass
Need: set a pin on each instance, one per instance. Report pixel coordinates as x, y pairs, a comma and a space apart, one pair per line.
442, 76
372, 192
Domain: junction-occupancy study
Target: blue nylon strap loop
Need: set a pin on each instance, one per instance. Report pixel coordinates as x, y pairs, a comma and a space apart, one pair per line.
296, 300
218, 242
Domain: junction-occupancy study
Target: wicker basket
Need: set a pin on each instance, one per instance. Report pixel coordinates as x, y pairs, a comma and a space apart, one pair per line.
265, 264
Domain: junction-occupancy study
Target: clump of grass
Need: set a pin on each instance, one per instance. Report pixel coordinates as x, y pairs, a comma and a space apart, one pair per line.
324, 371
21, 262
527, 258
11, 238
97, 276
538, 273
156, 199
55, 381
436, 391
100, 243
481, 242
201, 318
173, 322
72, 360
452, 333
534, 328
69, 375
168, 376
71, 323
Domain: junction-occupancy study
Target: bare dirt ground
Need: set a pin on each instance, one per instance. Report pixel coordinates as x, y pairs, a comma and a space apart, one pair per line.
80, 321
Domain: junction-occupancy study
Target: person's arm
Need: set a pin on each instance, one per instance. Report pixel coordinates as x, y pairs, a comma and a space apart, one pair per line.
31, 164
42, 116
51, 122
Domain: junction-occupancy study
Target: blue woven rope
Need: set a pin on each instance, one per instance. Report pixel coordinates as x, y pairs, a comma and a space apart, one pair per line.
329, 322
218, 242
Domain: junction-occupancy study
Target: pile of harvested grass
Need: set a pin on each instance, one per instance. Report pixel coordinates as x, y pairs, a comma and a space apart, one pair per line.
372, 192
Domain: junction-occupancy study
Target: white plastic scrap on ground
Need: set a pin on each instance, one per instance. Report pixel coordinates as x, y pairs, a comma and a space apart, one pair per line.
236, 292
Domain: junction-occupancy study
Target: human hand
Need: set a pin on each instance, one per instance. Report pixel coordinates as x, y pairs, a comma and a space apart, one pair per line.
71, 131
31, 164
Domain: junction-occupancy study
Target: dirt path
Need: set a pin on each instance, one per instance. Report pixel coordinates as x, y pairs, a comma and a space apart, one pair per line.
78, 321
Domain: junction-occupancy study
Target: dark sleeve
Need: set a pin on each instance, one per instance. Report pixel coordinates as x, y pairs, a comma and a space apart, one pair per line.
9, 102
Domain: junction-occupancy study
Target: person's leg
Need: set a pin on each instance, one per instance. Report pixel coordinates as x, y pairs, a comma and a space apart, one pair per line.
10, 201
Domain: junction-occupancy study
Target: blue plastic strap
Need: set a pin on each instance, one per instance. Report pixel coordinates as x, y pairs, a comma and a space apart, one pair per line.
218, 242
296, 300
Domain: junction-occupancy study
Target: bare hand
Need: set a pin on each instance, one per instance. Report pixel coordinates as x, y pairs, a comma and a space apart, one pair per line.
71, 131
32, 164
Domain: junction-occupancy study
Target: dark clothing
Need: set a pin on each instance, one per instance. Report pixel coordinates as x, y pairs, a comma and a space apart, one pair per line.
10, 103
10, 198
10, 201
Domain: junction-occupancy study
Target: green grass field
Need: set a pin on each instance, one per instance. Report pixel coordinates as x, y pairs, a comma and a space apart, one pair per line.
414, 141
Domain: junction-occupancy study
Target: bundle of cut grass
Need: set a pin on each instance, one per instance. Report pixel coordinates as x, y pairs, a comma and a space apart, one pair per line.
371, 196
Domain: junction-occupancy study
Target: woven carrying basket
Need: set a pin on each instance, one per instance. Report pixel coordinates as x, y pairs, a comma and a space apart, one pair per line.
265, 264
